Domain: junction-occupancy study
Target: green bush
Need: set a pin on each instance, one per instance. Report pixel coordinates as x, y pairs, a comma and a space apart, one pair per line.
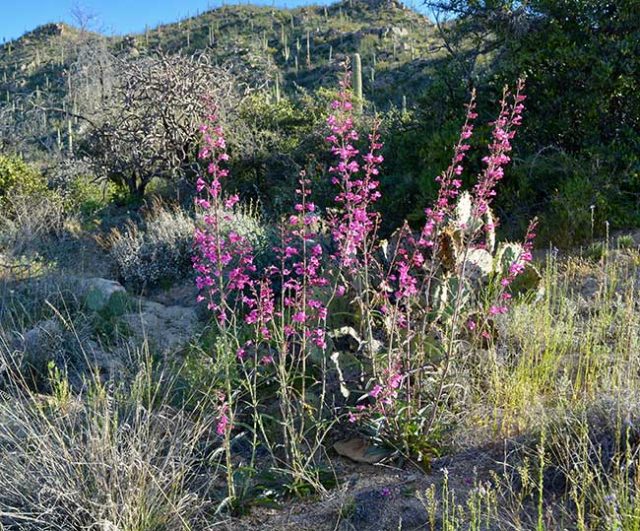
16, 176
89, 196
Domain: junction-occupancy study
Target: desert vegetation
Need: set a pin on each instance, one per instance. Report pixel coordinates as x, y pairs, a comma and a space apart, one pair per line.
343, 267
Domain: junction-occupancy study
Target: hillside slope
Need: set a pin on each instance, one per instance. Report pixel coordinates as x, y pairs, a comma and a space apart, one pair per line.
301, 46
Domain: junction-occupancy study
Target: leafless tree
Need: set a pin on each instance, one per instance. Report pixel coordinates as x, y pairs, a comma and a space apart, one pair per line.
149, 127
84, 18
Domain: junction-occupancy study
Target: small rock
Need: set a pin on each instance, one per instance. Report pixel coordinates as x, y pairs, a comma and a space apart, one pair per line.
346, 339
361, 451
40, 336
589, 288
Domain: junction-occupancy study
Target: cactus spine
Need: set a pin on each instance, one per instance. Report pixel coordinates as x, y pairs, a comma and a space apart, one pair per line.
356, 82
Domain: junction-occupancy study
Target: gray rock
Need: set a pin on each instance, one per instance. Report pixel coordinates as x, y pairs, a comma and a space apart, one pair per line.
399, 32
589, 288
37, 346
166, 327
106, 362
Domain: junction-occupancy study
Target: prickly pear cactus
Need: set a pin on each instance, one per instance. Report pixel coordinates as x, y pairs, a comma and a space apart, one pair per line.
528, 280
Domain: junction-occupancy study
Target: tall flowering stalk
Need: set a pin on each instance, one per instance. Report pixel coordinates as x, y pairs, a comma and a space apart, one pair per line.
356, 181
282, 308
504, 130
450, 181
301, 325
354, 228
223, 263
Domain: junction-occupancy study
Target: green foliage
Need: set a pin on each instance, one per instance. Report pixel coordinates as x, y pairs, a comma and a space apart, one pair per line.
580, 139
18, 177
271, 141
90, 196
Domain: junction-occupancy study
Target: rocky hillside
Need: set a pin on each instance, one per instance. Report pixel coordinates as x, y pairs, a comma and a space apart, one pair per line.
300, 47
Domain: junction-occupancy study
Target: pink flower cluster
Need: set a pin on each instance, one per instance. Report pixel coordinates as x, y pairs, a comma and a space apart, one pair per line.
224, 262
301, 271
449, 181
285, 305
510, 117
357, 181
381, 396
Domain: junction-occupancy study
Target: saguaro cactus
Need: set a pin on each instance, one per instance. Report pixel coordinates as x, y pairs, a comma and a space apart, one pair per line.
356, 73
277, 87
70, 138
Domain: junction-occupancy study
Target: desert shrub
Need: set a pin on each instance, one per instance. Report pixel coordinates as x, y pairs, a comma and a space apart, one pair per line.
82, 192
155, 252
18, 177
90, 196
28, 221
269, 142
159, 250
625, 241
30, 212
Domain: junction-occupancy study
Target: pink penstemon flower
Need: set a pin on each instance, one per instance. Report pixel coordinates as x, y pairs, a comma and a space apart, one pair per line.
504, 130
224, 263
356, 181
449, 180
518, 266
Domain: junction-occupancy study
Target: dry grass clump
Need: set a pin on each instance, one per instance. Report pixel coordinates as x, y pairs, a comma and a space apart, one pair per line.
578, 342
27, 222
118, 457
